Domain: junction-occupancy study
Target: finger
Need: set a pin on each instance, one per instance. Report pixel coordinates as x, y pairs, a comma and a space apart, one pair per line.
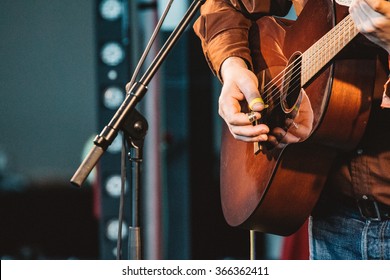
252, 117
256, 104
359, 16
299, 130
290, 138
250, 131
285, 137
365, 17
380, 6
249, 87
241, 119
259, 138
229, 108
291, 123
276, 142
247, 136
273, 140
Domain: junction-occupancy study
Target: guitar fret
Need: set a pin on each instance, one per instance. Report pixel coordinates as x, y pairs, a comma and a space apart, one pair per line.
325, 49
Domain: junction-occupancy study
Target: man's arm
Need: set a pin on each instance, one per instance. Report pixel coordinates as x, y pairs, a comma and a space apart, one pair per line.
224, 24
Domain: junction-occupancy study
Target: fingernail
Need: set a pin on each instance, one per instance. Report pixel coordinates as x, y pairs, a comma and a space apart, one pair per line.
256, 103
264, 137
259, 106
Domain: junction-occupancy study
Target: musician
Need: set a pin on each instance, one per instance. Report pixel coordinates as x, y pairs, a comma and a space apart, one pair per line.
352, 218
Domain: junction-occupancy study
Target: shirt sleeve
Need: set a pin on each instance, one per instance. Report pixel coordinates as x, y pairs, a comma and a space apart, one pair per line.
223, 27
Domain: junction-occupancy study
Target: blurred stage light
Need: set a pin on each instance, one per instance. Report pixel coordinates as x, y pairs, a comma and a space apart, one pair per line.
112, 53
113, 97
111, 9
113, 186
112, 229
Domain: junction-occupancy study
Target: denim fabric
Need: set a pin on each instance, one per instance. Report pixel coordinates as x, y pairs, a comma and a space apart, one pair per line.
337, 232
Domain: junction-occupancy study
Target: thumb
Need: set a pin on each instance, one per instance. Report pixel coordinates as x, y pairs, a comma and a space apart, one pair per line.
249, 87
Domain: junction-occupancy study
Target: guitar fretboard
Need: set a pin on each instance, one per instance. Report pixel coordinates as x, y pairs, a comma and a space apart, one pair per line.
319, 54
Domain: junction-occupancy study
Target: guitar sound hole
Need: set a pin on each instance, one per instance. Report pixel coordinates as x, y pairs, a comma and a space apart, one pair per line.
291, 88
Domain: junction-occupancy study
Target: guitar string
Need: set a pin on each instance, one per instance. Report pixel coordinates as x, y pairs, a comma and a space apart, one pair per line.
294, 67
341, 27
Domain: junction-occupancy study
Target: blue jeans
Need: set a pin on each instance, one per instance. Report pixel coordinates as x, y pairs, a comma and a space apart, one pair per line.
338, 232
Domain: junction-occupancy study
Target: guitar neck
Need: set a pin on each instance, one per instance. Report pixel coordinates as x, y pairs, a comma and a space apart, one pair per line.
325, 49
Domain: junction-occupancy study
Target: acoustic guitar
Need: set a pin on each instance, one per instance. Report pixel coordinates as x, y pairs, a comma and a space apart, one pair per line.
274, 189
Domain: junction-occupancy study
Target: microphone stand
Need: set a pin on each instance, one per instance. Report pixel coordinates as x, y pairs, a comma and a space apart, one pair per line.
126, 112
134, 134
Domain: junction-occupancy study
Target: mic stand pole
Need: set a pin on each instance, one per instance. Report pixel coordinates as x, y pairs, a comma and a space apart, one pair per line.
123, 116
135, 95
135, 129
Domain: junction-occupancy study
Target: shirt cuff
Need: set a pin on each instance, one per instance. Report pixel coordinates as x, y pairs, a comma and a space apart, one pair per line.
228, 44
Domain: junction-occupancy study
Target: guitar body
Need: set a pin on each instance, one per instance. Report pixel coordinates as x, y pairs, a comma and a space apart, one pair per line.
275, 190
